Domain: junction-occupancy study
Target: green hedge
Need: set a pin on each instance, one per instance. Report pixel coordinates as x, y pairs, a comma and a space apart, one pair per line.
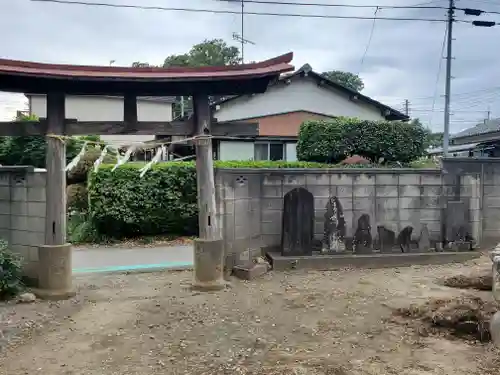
163, 201
387, 141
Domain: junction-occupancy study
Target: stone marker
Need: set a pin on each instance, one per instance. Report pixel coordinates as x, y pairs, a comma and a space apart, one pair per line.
495, 328
424, 241
386, 238
362, 236
404, 239
456, 222
496, 278
334, 229
495, 320
298, 223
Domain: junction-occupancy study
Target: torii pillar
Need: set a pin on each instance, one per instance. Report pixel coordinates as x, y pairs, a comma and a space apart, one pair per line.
209, 247
54, 272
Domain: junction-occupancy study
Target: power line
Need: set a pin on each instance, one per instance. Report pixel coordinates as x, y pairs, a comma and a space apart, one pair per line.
439, 72
369, 41
214, 11
472, 95
270, 2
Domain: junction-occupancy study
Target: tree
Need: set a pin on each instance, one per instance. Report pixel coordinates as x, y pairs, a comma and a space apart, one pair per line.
431, 139
434, 139
30, 150
347, 79
207, 53
215, 52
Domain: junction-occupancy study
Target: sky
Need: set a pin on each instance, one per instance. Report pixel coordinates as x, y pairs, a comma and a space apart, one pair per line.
403, 60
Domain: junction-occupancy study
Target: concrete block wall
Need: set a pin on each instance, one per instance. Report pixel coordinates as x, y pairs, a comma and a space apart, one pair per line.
253, 202
22, 212
479, 179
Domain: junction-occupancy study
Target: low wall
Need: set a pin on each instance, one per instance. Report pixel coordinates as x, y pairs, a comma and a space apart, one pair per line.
250, 202
22, 212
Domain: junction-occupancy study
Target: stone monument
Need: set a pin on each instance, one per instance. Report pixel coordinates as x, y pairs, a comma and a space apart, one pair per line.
334, 229
386, 239
298, 223
362, 243
404, 239
424, 241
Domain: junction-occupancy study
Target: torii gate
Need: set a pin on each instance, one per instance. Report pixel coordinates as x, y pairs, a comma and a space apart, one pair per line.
56, 81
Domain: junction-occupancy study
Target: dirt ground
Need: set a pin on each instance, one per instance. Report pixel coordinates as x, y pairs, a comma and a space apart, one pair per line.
325, 323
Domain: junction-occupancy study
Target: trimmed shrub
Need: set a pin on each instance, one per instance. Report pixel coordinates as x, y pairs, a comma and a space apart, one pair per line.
162, 202
10, 272
77, 198
379, 141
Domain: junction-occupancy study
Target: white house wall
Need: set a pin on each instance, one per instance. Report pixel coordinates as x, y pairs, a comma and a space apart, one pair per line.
300, 95
291, 151
94, 108
234, 150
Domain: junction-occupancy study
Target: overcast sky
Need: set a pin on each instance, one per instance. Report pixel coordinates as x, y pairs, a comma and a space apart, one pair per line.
401, 62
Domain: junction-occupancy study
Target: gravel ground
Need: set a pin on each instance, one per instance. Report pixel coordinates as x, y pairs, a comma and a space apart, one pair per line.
324, 323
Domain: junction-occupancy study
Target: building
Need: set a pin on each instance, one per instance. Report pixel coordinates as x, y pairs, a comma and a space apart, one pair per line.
279, 112
485, 136
109, 108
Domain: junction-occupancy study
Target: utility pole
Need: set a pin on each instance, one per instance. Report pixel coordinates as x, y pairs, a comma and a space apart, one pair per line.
241, 37
242, 32
407, 107
447, 95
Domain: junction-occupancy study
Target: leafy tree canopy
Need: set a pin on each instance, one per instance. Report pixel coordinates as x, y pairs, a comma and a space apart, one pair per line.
207, 53
347, 79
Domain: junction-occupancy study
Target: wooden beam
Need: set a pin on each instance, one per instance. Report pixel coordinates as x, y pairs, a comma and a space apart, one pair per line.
55, 190
73, 127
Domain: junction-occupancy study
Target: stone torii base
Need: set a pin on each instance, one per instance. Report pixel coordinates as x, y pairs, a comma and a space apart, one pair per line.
54, 272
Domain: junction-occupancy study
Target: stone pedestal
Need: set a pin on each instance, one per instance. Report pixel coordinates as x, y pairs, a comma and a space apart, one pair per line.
495, 328
54, 272
208, 265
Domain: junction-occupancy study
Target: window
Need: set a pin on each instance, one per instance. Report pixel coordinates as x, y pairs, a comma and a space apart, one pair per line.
269, 151
276, 151
261, 151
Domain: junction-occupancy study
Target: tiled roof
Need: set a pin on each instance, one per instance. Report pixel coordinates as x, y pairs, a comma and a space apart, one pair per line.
481, 128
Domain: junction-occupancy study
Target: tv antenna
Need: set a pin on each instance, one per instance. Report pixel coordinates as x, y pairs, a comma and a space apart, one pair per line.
241, 37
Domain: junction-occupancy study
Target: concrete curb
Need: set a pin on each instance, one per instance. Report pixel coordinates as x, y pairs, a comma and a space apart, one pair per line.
336, 261
142, 268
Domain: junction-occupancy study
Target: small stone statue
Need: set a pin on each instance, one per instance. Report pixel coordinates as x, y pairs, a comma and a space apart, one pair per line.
387, 239
363, 236
404, 239
334, 230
